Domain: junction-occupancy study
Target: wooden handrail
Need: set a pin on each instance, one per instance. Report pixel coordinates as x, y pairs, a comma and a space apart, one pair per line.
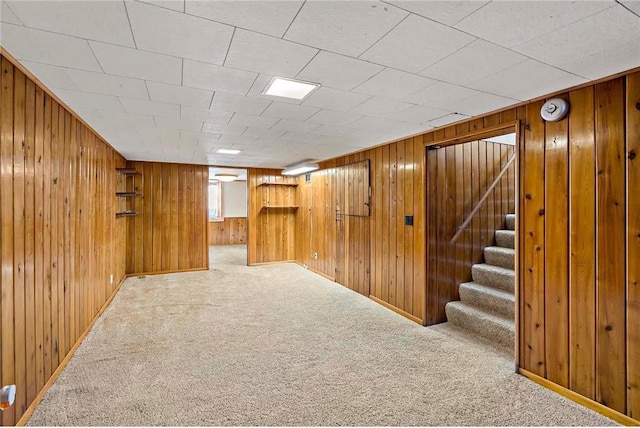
484, 198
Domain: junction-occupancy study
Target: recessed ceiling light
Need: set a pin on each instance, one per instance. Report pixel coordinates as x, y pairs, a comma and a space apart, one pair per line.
288, 88
227, 151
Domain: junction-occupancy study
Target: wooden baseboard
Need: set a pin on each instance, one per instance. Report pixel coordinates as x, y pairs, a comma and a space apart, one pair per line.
163, 272
396, 310
580, 399
36, 401
271, 263
317, 272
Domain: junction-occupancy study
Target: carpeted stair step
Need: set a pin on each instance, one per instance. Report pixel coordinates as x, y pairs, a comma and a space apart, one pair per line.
506, 238
490, 299
499, 330
500, 256
510, 222
494, 276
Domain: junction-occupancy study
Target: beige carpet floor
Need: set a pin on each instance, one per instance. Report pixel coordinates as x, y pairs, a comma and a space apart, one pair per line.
279, 345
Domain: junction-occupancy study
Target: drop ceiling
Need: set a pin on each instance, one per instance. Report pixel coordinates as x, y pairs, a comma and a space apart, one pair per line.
175, 80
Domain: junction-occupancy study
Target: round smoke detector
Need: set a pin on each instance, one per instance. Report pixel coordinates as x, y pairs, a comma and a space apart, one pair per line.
554, 110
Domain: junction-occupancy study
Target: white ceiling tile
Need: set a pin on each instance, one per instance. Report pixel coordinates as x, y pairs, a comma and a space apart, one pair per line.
205, 115
263, 133
105, 21
348, 28
333, 131
50, 75
48, 48
101, 83
182, 124
173, 94
289, 111
150, 107
526, 80
334, 99
238, 104
264, 54
632, 5
440, 94
381, 107
445, 120
153, 131
394, 84
297, 137
508, 23
446, 12
127, 118
217, 78
138, 64
177, 5
338, 71
252, 121
267, 17
605, 43
223, 129
83, 99
473, 62
367, 123
606, 62
7, 15
236, 140
417, 43
419, 114
479, 103
295, 126
330, 117
174, 33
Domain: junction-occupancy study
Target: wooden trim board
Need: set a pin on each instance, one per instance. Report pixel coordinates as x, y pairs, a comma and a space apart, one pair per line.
580, 399
32, 407
396, 310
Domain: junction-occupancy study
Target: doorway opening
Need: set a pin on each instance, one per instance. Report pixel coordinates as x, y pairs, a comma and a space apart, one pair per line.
227, 225
471, 235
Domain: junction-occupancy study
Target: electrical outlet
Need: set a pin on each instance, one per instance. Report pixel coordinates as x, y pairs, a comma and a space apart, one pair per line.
315, 255
111, 278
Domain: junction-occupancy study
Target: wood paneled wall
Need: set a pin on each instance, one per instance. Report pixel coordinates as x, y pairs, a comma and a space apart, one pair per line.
271, 216
579, 236
230, 231
458, 177
169, 233
60, 241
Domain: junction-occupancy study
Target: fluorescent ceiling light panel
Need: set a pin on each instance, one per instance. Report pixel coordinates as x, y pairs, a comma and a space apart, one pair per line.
287, 88
227, 151
300, 169
226, 177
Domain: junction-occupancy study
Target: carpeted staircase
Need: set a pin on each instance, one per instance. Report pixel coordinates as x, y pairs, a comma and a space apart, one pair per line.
487, 304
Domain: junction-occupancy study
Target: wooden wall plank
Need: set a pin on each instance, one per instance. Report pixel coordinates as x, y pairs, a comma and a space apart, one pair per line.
231, 231
633, 245
7, 224
170, 233
556, 254
610, 230
49, 195
582, 311
532, 231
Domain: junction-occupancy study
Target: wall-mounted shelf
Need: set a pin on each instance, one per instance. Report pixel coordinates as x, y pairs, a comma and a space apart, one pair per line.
280, 207
127, 171
129, 194
278, 184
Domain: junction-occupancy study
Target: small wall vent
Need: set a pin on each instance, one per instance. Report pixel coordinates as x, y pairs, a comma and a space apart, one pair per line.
307, 178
